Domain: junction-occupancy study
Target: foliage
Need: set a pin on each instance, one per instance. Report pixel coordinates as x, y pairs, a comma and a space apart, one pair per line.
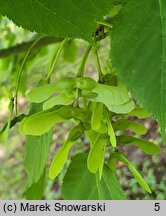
80, 25
78, 178
99, 108
146, 53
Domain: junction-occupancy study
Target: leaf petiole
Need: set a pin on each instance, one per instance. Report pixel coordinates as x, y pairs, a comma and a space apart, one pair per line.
100, 73
21, 72
105, 24
55, 58
80, 72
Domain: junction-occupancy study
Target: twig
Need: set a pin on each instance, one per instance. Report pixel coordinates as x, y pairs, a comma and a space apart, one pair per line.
23, 47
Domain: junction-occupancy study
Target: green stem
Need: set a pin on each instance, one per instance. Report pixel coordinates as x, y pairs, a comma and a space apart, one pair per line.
11, 108
56, 58
111, 132
13, 122
84, 102
98, 185
105, 24
21, 72
98, 65
80, 72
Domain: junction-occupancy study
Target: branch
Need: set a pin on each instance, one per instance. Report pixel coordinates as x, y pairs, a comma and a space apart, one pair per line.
25, 46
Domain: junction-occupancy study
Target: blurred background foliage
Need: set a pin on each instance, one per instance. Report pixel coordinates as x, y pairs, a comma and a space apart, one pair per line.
12, 175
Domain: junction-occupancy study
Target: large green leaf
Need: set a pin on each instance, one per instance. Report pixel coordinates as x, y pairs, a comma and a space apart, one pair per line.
80, 184
36, 155
35, 191
76, 19
112, 184
138, 53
